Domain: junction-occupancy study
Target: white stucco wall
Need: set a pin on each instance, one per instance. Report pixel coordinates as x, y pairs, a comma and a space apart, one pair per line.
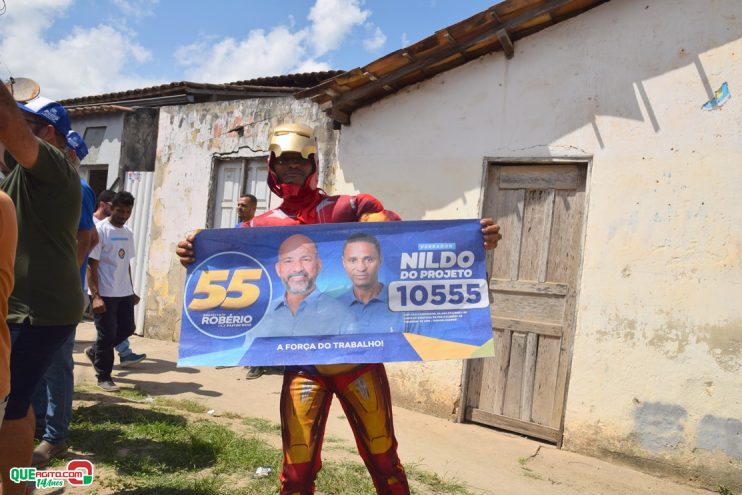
110, 149
190, 137
658, 348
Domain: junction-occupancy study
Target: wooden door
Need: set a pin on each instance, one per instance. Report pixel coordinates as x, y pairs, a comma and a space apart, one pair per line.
533, 280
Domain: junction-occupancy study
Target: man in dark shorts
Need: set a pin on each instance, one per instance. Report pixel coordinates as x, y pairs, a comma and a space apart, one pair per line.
46, 303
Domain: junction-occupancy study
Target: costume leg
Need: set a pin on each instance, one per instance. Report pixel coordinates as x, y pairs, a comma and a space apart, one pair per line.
305, 404
366, 400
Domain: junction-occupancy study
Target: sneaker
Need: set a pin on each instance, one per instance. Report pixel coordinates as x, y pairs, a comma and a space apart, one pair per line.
108, 386
254, 372
45, 452
133, 358
90, 354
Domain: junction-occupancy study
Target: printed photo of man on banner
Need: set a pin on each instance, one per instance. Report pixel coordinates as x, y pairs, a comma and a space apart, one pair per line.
337, 293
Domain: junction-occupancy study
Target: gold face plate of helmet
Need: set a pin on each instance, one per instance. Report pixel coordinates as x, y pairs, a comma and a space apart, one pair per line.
295, 138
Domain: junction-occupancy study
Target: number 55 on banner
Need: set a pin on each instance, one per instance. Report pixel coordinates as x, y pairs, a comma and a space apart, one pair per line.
227, 294
216, 294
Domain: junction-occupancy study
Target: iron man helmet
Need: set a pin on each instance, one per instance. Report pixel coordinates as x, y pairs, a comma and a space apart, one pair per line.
292, 137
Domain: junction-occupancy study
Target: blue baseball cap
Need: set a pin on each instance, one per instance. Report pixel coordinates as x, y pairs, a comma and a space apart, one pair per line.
77, 143
52, 112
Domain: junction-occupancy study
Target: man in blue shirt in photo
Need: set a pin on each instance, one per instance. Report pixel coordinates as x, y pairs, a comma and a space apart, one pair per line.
368, 299
302, 310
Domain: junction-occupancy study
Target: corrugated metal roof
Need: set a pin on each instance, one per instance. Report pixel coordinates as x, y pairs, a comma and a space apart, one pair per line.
191, 92
494, 29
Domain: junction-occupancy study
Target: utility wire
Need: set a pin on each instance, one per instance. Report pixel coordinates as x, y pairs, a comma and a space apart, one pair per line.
4, 9
10, 73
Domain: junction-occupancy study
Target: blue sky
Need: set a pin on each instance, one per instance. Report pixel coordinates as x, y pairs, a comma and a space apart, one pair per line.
87, 47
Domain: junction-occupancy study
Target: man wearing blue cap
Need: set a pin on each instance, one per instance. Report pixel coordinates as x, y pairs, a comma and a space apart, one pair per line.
52, 402
46, 303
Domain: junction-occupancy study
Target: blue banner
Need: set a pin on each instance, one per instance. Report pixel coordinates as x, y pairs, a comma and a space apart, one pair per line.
337, 293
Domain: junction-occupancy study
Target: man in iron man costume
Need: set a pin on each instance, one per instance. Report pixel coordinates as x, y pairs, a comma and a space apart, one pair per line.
362, 389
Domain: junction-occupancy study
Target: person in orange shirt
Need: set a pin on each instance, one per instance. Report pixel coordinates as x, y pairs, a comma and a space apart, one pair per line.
8, 240
46, 303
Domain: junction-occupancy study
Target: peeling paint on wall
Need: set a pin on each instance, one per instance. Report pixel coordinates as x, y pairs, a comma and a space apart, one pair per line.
671, 337
189, 139
659, 426
711, 461
659, 313
725, 344
724, 434
416, 386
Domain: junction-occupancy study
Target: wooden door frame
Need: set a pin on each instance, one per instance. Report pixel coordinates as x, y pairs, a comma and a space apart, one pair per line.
487, 163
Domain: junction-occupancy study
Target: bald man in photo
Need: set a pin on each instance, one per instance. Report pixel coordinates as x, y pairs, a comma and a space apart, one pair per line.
302, 310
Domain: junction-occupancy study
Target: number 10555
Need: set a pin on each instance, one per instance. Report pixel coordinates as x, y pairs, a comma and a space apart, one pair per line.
438, 295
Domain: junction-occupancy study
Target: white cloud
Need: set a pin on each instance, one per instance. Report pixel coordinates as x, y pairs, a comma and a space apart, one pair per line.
332, 20
32, 5
86, 61
376, 41
405, 40
281, 50
260, 54
312, 65
107, 57
137, 8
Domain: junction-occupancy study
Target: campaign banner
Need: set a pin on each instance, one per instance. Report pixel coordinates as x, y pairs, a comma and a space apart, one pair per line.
364, 292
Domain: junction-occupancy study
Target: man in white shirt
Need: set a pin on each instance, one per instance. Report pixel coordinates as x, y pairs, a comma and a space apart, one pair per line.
111, 289
127, 356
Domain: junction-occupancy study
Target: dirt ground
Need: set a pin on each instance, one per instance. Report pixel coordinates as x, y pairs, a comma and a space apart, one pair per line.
486, 460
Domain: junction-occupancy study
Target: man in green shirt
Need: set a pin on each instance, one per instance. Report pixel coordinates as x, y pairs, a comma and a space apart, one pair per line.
46, 303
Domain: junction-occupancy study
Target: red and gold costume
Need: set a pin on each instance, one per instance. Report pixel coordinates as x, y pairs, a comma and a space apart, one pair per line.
362, 389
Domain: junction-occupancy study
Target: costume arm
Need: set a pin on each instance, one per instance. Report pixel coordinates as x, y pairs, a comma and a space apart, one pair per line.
370, 209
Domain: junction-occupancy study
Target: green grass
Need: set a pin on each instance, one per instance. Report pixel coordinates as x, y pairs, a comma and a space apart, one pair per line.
189, 405
261, 425
435, 482
155, 448
132, 393
528, 472
230, 415
154, 451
